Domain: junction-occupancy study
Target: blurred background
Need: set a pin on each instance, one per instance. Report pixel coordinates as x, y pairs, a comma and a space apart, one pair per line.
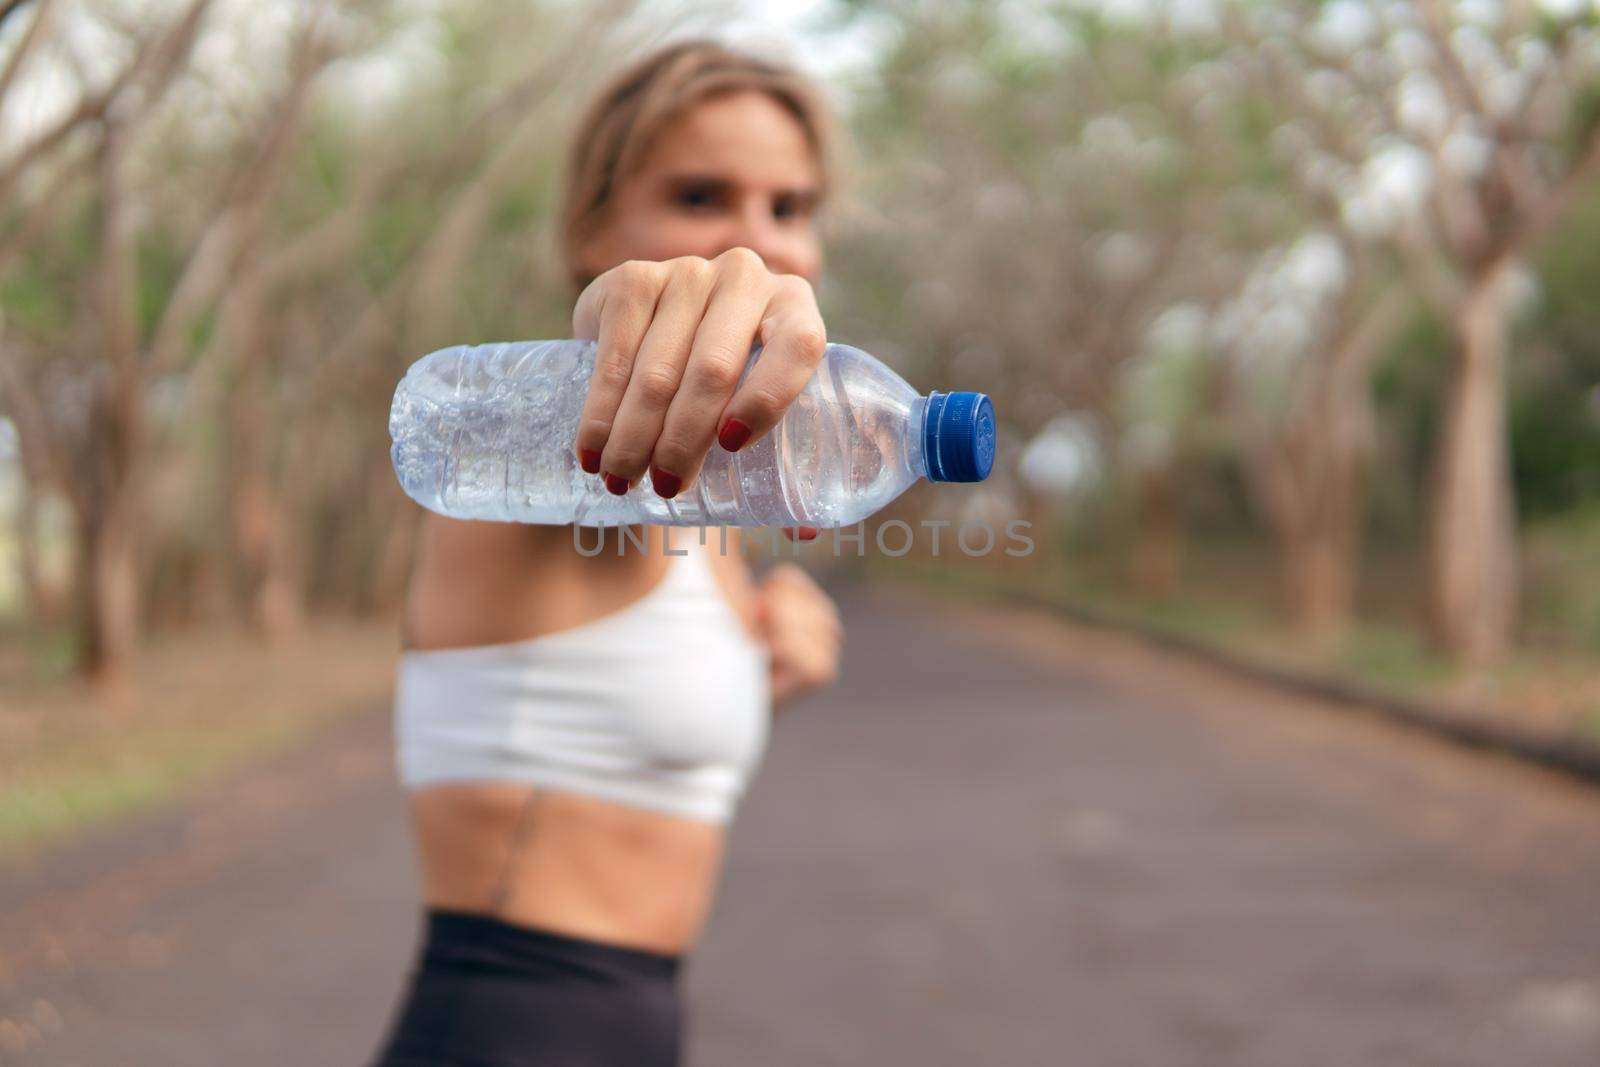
1287, 310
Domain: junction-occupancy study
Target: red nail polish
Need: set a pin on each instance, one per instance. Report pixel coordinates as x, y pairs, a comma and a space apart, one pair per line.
589, 460
666, 483
805, 533
615, 484
733, 435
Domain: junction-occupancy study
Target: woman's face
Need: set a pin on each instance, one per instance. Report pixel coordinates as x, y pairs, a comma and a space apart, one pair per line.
734, 170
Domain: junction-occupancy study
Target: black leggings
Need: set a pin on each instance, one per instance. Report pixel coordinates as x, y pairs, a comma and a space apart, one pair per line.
486, 993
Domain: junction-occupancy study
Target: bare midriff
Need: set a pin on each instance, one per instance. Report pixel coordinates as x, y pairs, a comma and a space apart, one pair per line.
532, 856
572, 864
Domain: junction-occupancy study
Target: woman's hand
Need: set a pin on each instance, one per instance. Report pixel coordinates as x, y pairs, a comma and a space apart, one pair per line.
801, 628
673, 339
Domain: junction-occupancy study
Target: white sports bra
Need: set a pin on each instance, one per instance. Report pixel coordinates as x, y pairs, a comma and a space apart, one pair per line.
663, 704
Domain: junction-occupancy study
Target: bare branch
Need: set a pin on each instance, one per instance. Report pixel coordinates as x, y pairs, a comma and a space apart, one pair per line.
1359, 345
1455, 80
1584, 172
247, 195
1511, 166
162, 54
43, 211
116, 284
9, 8
451, 237
1436, 278
336, 232
90, 108
30, 37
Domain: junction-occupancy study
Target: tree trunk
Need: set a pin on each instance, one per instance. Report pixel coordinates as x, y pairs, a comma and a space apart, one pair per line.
113, 453
1319, 514
1309, 475
1319, 557
266, 575
108, 591
1472, 540
271, 585
108, 588
267, 578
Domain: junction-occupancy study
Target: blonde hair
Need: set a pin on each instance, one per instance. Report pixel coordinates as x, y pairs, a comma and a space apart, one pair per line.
616, 129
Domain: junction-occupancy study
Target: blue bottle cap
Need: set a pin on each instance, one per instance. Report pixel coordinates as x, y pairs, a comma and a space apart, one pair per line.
958, 437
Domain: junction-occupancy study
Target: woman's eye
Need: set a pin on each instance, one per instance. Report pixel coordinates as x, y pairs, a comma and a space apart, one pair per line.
788, 208
697, 199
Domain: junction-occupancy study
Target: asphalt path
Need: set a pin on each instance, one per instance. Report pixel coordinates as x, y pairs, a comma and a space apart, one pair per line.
999, 840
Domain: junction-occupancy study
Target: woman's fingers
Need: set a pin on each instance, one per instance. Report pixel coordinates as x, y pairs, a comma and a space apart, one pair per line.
673, 340
792, 343
803, 632
616, 310
717, 358
658, 371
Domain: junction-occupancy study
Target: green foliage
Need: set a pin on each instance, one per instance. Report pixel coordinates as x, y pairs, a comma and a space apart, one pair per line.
43, 292
1555, 409
398, 228
320, 176
161, 259
1555, 437
32, 303
1563, 587
1583, 118
1407, 388
523, 208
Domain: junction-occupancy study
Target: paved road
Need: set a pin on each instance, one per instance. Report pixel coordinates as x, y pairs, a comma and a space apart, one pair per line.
999, 841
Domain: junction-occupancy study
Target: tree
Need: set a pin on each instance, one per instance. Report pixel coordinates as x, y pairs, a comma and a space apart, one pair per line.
1042, 204
1462, 139
94, 449
217, 260
1301, 339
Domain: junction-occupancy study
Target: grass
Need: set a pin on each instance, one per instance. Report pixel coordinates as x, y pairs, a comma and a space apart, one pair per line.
72, 794
203, 703
1553, 690
1390, 655
1589, 727
1562, 594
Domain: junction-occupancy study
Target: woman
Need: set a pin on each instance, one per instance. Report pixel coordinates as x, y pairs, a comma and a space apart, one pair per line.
574, 729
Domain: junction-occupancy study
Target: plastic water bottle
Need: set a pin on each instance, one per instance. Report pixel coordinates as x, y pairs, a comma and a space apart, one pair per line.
488, 432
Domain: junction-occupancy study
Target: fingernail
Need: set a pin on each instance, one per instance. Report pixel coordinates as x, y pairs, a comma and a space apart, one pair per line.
589, 460
615, 484
805, 533
666, 483
733, 435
